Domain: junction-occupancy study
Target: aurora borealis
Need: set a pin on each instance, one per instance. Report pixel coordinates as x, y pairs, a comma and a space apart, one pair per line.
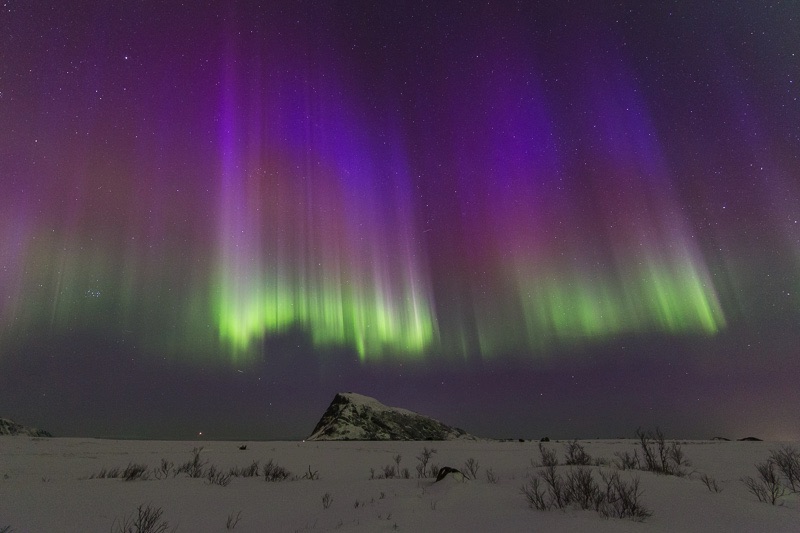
456, 191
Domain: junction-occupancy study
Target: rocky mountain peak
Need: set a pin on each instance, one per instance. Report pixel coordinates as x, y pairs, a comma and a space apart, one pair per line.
352, 416
9, 427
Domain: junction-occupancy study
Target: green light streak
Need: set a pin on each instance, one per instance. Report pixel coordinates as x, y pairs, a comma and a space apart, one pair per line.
333, 315
570, 308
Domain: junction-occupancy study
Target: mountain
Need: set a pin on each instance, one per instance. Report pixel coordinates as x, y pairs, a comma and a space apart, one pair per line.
9, 427
352, 416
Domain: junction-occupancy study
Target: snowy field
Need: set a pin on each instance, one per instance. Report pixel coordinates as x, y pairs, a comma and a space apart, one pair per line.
45, 486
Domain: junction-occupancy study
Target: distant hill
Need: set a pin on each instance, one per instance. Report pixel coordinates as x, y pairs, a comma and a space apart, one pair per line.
9, 427
352, 416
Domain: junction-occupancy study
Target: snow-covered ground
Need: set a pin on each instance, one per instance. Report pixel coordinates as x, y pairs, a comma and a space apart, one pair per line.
44, 486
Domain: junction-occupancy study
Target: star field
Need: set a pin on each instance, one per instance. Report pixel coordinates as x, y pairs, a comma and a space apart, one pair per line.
403, 198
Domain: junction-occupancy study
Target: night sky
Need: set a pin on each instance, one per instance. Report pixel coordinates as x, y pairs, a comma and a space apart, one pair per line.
567, 218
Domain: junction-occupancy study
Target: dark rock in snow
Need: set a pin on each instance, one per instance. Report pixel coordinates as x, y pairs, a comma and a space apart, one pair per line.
9, 427
454, 473
352, 416
750, 439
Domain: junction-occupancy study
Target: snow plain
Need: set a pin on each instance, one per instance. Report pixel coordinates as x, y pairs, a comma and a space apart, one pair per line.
44, 488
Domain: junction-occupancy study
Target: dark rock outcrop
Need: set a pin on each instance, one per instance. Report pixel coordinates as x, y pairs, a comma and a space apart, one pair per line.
454, 473
9, 427
352, 416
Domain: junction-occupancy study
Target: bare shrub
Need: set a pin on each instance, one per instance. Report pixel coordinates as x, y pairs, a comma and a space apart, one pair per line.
767, 486
582, 490
710, 483
233, 520
535, 494
547, 457
491, 477
547, 490
194, 468
653, 449
164, 470
576, 455
6, 529
626, 461
245, 471
132, 472
144, 520
471, 466
679, 463
273, 472
621, 499
217, 477
104, 473
423, 460
660, 457
312, 475
555, 487
787, 459
135, 471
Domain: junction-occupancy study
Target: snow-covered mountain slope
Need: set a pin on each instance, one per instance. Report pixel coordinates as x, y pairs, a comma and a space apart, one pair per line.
9, 427
352, 416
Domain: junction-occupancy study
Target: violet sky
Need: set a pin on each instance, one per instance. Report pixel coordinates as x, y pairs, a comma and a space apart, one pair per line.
566, 218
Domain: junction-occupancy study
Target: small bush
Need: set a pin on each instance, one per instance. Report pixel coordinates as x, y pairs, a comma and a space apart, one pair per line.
246, 471
660, 457
491, 477
135, 471
710, 483
535, 494
327, 500
555, 486
217, 477
471, 467
194, 468
787, 459
767, 486
576, 455
144, 520
132, 472
104, 473
273, 472
164, 470
621, 499
626, 461
422, 465
311, 474
548, 490
581, 489
547, 457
